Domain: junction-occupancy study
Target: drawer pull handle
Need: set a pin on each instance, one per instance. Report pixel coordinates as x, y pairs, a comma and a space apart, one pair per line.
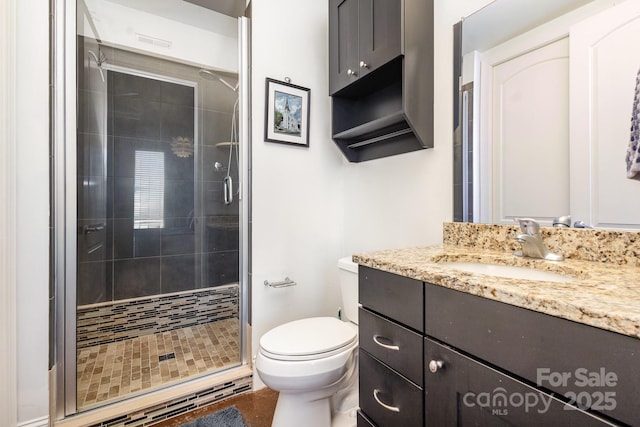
384, 405
387, 346
435, 365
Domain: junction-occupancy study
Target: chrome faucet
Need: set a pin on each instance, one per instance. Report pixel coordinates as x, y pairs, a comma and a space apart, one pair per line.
531, 241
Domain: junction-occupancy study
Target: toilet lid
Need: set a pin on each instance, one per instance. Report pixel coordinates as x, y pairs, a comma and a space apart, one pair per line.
307, 337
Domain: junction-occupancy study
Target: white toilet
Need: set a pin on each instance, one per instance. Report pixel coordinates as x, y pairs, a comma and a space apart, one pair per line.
313, 363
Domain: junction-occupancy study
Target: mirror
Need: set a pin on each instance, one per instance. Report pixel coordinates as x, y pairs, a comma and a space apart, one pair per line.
515, 117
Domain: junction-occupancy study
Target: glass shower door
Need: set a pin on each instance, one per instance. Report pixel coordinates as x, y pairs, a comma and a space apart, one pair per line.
158, 255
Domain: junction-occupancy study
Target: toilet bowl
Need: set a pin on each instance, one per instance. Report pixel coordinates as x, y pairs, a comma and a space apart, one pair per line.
312, 363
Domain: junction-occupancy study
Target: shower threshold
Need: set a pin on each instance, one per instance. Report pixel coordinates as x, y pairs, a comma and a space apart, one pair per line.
113, 371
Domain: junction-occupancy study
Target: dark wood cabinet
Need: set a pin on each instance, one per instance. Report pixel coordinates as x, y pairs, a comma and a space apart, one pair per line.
364, 35
381, 76
462, 392
343, 43
434, 356
391, 349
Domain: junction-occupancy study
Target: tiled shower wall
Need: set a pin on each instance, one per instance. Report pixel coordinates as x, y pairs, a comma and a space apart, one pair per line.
119, 321
197, 246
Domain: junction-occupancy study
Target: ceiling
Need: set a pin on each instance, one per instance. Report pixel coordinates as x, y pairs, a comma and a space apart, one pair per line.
234, 8
501, 20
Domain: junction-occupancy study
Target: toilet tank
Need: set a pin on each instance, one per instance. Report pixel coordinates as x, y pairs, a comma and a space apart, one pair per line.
348, 277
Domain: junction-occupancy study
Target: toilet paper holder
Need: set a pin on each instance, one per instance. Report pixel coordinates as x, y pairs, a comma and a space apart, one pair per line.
282, 284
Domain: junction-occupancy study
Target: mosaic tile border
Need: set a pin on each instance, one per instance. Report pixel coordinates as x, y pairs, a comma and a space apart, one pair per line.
608, 246
121, 320
159, 412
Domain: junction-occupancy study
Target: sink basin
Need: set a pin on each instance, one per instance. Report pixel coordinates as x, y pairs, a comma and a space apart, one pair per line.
508, 271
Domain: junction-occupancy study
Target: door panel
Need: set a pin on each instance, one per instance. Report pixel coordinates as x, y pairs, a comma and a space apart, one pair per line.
530, 135
603, 80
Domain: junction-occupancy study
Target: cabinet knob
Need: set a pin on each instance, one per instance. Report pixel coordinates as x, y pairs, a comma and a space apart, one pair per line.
364, 64
350, 72
435, 365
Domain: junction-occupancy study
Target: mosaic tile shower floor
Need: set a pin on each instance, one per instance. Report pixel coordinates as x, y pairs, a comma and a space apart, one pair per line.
110, 371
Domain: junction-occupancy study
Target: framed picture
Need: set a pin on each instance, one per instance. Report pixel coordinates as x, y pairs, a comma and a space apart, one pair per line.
286, 113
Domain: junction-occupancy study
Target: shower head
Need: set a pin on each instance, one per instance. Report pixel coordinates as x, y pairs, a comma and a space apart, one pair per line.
210, 75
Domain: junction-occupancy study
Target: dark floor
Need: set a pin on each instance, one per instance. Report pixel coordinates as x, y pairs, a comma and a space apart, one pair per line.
256, 409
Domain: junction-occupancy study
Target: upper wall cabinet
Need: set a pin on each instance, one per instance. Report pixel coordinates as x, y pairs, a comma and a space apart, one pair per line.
365, 34
381, 76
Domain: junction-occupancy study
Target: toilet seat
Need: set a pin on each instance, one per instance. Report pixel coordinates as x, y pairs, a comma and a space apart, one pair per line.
308, 339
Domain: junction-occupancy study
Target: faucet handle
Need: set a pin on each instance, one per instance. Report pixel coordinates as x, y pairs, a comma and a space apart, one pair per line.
529, 226
562, 221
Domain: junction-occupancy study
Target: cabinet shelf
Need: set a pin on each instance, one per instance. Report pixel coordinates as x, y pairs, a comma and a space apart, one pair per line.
372, 126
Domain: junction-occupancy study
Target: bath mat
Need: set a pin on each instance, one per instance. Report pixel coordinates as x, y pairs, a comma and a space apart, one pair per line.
229, 417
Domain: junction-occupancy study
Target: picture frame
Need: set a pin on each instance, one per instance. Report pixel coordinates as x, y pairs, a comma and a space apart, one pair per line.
286, 113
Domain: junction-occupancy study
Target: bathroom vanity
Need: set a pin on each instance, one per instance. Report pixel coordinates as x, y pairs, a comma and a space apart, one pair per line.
442, 347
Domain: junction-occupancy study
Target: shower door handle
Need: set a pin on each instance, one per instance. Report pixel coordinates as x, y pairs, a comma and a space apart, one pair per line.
227, 185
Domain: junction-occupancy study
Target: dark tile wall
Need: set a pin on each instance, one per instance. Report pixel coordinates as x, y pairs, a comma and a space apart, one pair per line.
197, 247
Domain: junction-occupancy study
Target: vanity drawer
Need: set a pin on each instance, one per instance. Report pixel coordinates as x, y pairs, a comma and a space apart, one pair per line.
541, 348
391, 295
363, 421
391, 343
387, 398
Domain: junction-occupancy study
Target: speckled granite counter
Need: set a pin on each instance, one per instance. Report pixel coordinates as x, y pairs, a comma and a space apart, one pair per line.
604, 295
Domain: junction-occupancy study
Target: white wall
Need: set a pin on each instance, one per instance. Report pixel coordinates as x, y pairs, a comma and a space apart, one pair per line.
32, 111
402, 200
8, 178
310, 206
297, 191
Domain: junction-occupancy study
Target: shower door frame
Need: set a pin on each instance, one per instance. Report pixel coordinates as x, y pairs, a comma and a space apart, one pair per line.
63, 71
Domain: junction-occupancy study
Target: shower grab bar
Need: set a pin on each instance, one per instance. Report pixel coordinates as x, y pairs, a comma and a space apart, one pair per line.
94, 248
92, 228
283, 284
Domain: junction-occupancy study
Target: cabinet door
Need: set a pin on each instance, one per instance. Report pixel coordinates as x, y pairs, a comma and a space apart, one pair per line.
343, 43
380, 33
464, 392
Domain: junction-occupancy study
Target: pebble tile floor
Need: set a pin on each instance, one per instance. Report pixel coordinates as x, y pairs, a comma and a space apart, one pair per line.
108, 372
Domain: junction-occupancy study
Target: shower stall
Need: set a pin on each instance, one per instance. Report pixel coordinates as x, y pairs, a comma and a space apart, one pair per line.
151, 203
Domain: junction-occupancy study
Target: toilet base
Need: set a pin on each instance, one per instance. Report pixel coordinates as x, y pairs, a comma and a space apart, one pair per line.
345, 412
295, 410
332, 406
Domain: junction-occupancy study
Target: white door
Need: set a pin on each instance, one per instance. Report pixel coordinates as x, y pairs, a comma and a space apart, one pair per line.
529, 172
604, 62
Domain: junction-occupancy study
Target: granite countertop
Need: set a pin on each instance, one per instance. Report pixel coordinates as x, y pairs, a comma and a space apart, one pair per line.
603, 295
